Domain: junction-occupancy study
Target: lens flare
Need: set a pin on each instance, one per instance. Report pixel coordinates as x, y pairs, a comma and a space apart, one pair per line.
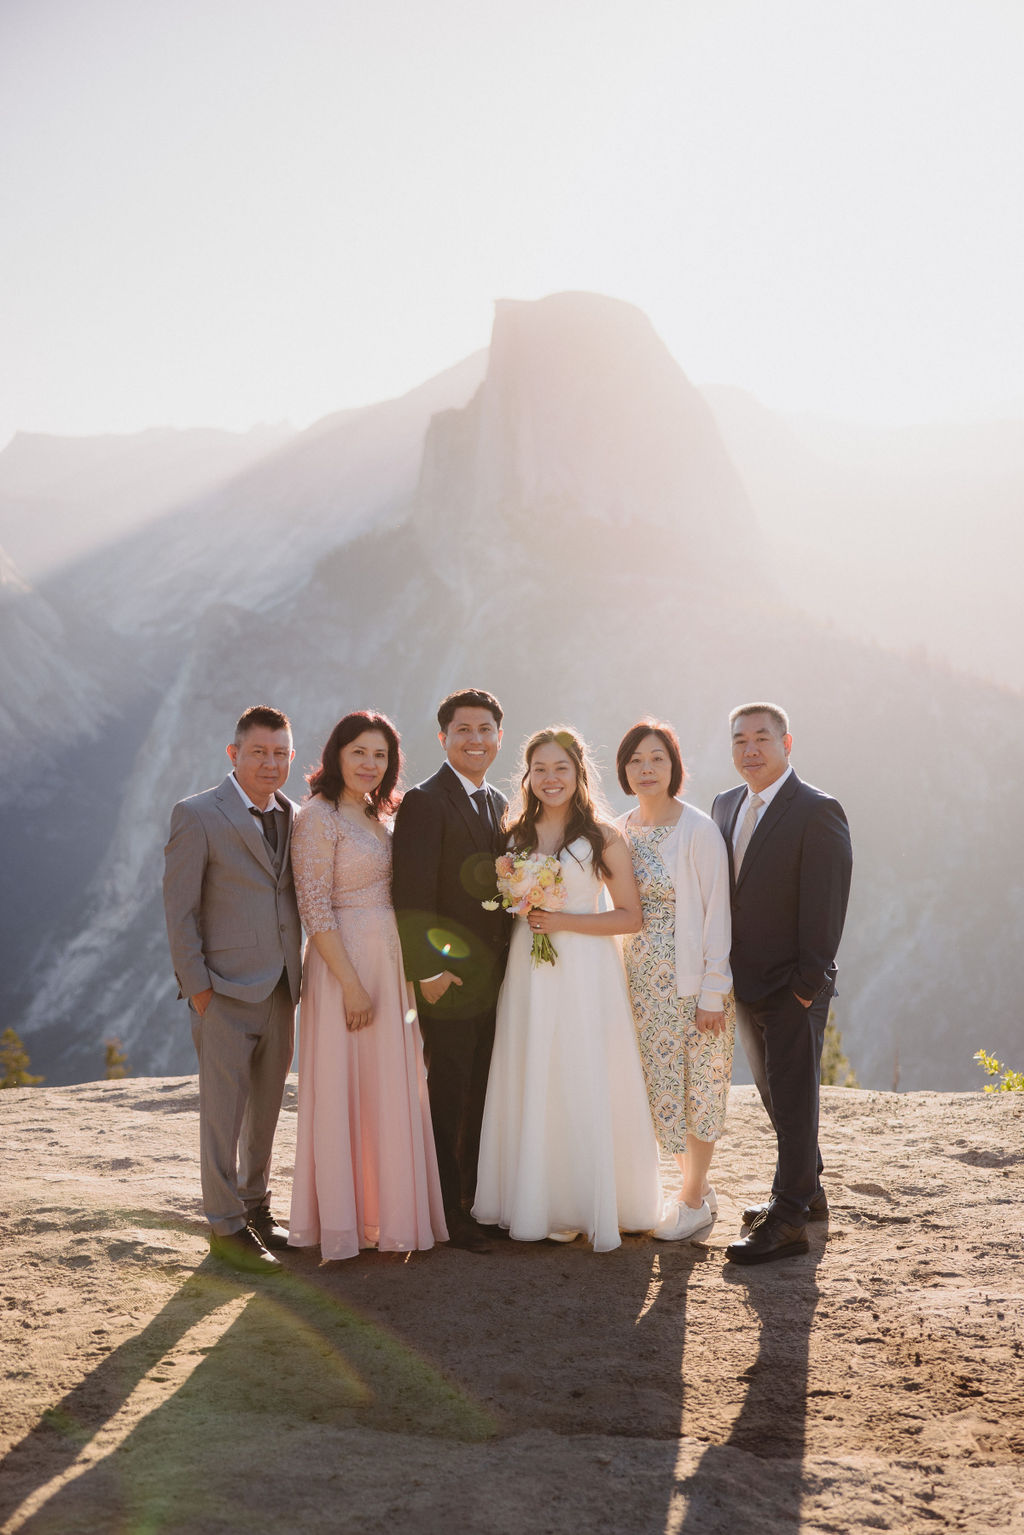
448, 944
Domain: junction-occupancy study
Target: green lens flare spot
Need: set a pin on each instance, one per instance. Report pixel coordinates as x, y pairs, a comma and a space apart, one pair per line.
448, 944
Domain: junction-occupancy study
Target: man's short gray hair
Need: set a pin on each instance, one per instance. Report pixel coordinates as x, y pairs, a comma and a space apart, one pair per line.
776, 711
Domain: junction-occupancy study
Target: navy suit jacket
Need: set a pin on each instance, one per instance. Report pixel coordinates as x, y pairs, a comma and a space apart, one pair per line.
789, 903
443, 870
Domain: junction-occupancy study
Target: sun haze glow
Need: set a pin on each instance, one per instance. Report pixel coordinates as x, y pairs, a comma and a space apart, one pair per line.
219, 214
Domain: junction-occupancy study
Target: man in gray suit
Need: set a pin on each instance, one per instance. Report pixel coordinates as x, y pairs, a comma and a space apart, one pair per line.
234, 933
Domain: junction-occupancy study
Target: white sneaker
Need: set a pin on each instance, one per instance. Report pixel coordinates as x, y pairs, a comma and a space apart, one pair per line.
711, 1199
562, 1236
683, 1222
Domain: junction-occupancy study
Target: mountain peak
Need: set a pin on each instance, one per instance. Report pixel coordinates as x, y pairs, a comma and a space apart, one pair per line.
583, 413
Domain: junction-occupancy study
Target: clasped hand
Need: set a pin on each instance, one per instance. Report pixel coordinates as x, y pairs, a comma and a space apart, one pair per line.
708, 1022
358, 1007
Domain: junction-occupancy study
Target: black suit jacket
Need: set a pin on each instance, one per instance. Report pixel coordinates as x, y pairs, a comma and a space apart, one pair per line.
443, 870
789, 903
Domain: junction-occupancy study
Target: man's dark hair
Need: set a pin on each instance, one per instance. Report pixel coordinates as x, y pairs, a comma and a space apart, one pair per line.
468, 698
260, 716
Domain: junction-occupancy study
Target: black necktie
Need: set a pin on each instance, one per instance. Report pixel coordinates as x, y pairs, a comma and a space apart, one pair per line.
482, 801
268, 818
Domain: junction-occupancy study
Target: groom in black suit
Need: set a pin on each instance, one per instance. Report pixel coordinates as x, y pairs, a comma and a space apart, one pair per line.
789, 864
447, 835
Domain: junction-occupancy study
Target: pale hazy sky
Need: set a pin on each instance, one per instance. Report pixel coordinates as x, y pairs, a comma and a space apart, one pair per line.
218, 212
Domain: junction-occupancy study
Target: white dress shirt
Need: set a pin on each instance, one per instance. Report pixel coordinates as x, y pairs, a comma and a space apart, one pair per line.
767, 795
472, 788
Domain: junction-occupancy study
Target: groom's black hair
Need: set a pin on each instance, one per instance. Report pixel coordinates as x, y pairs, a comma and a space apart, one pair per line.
467, 698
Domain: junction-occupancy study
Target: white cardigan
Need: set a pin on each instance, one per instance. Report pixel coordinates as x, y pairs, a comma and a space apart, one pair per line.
695, 858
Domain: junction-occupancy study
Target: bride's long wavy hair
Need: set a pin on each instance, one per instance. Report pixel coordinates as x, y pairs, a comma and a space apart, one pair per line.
585, 806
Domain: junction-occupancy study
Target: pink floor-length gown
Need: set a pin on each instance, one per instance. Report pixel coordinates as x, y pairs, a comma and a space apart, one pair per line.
365, 1165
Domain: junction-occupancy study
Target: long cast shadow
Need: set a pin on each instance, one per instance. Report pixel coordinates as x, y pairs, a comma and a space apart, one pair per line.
63, 1430
771, 1426
323, 1354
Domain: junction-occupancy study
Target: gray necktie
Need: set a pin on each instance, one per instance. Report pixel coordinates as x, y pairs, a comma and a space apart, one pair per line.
746, 832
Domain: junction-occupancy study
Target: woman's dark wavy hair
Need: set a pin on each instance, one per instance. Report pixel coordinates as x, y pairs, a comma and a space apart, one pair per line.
631, 740
326, 780
582, 820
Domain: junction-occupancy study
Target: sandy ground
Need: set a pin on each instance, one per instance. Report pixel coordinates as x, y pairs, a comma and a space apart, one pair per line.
876, 1384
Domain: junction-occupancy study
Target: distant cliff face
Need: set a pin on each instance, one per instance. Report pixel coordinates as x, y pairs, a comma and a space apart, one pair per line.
558, 522
584, 421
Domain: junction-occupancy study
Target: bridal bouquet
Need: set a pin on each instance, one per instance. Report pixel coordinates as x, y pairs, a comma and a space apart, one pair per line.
530, 882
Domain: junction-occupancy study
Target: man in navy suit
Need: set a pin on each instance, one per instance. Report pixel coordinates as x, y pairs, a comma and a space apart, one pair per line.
447, 835
790, 862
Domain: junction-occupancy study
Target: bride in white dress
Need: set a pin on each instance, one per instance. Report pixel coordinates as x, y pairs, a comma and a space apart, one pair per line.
568, 1144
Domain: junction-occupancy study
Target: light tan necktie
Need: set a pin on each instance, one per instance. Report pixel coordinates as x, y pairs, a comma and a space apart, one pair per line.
746, 832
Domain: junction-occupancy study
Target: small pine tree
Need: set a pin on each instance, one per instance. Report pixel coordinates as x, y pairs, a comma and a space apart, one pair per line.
14, 1062
116, 1060
836, 1070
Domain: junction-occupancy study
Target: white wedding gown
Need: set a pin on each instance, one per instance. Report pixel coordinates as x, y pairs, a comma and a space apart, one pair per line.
567, 1140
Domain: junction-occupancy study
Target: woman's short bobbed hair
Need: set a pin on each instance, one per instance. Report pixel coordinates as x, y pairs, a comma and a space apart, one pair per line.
631, 740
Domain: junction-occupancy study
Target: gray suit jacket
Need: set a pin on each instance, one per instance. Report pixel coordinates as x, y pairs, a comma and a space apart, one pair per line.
232, 921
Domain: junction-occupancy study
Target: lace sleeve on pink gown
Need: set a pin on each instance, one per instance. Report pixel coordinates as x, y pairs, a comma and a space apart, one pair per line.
314, 841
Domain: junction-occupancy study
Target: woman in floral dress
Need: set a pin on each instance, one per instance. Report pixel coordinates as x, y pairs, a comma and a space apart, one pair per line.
680, 982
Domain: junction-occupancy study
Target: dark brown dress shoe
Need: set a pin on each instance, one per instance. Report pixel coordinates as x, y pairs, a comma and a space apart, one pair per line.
769, 1239
466, 1234
244, 1251
266, 1228
817, 1210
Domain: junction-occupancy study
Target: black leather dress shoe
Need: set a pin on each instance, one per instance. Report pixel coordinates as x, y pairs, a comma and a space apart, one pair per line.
771, 1238
244, 1251
466, 1234
817, 1210
266, 1228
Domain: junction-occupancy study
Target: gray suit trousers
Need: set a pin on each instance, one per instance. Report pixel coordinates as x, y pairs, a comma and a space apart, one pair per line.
244, 1050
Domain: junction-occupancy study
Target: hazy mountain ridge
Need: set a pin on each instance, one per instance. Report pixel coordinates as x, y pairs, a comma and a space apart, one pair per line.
485, 557
261, 533
62, 497
912, 536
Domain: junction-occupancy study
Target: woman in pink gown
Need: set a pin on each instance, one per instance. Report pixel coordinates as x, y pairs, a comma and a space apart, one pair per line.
365, 1166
